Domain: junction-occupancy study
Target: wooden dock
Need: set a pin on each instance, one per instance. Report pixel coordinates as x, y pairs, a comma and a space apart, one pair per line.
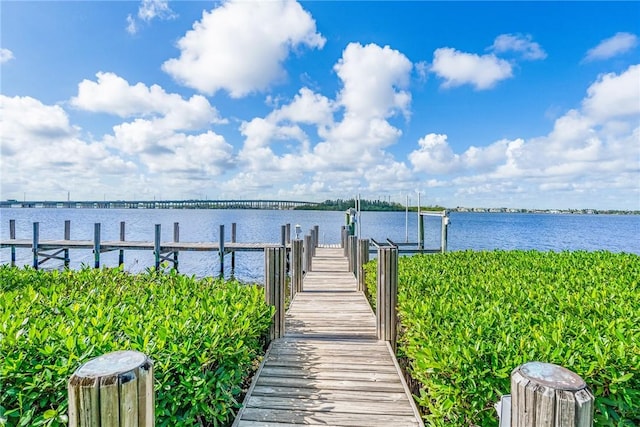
329, 369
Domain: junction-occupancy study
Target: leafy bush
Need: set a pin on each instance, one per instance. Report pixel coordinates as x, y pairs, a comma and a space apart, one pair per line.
203, 336
469, 318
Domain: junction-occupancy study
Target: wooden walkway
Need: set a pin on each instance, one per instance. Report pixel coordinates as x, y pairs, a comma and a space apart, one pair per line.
329, 369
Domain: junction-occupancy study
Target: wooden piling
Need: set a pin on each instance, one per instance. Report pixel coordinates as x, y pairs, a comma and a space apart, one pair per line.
113, 390
156, 245
34, 247
121, 251
67, 236
221, 251
363, 258
316, 241
274, 271
296, 264
548, 395
176, 238
96, 245
420, 232
312, 246
12, 236
443, 232
343, 236
308, 255
352, 254
233, 253
288, 233
387, 294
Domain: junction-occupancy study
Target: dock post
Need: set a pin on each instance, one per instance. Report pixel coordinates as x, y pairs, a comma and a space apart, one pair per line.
283, 243
549, 395
443, 232
176, 238
221, 251
288, 233
67, 236
420, 232
34, 248
233, 253
297, 269
307, 254
12, 236
387, 295
156, 245
121, 251
316, 242
312, 245
363, 258
115, 389
343, 236
274, 287
96, 245
353, 252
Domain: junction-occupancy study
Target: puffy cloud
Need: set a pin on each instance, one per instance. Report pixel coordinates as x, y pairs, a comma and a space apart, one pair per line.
148, 11
38, 140
521, 43
307, 107
613, 46
460, 68
114, 95
614, 95
5, 55
240, 46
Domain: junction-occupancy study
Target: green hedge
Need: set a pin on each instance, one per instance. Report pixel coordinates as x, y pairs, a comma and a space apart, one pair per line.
469, 318
203, 336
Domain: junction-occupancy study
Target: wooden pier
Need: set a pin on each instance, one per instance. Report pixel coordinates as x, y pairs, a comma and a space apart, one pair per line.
329, 368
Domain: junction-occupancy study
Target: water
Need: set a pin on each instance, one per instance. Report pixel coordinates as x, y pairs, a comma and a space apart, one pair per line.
477, 231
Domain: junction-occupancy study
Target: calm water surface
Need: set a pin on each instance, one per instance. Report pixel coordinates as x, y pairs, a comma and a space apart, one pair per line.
477, 231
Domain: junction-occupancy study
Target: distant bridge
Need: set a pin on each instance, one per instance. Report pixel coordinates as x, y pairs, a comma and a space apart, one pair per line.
159, 204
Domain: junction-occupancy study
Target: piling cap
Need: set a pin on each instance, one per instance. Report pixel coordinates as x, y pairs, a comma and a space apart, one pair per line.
114, 363
550, 375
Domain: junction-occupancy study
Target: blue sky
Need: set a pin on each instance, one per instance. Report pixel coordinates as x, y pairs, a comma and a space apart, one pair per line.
477, 104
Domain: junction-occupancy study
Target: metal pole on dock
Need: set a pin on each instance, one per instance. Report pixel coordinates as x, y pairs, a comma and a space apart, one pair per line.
67, 236
12, 236
96, 245
221, 251
156, 245
34, 248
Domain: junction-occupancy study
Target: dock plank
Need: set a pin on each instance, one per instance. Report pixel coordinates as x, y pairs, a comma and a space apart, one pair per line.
329, 369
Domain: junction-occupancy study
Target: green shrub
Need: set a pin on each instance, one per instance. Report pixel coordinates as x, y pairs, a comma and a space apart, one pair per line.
203, 336
469, 318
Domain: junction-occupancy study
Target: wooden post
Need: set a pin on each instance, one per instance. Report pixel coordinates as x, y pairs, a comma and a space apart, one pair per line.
548, 395
343, 236
274, 271
297, 269
308, 255
316, 241
387, 294
312, 247
443, 232
121, 251
176, 238
233, 253
96, 245
420, 232
113, 390
353, 253
12, 236
288, 233
156, 245
221, 251
363, 258
34, 246
67, 236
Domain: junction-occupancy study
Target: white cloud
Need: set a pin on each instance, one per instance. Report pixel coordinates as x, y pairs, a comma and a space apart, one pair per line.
5, 55
240, 46
521, 43
460, 68
614, 95
613, 46
148, 11
114, 95
591, 150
